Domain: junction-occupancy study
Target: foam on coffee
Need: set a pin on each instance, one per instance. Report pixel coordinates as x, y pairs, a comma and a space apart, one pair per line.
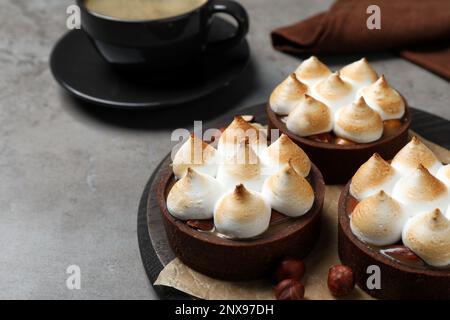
142, 9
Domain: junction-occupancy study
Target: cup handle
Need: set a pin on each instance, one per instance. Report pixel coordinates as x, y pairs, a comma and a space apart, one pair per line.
238, 12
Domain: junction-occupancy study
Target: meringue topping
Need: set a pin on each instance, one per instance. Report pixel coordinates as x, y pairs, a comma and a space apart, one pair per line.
414, 210
242, 214
194, 196
310, 117
337, 90
413, 154
373, 176
287, 95
195, 153
288, 192
312, 70
428, 235
384, 99
360, 72
239, 212
236, 133
244, 166
283, 150
333, 91
358, 122
420, 191
443, 174
378, 220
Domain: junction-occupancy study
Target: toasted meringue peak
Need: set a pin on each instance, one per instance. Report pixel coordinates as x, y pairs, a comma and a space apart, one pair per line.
333, 91
420, 191
238, 131
310, 117
242, 213
413, 154
288, 192
194, 196
373, 176
287, 95
359, 72
283, 150
378, 220
443, 174
359, 123
333, 87
244, 166
428, 235
381, 97
312, 70
195, 153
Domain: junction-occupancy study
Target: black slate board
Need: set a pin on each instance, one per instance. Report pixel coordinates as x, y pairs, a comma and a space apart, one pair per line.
155, 251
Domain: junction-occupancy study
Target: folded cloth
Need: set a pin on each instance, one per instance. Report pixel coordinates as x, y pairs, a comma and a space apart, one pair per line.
419, 30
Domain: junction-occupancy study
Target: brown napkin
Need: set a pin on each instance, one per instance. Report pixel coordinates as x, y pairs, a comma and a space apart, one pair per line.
419, 30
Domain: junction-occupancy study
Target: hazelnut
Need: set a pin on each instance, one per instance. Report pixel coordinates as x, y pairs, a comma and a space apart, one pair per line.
277, 217
322, 137
341, 281
290, 289
402, 253
391, 126
290, 268
351, 204
203, 225
343, 142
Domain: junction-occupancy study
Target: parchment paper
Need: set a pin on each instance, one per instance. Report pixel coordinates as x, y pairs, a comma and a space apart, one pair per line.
323, 256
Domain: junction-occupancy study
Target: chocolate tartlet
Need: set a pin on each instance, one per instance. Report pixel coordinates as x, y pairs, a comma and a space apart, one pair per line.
214, 243
340, 118
392, 217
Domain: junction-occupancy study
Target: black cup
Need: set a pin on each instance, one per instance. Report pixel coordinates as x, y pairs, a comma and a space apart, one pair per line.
161, 44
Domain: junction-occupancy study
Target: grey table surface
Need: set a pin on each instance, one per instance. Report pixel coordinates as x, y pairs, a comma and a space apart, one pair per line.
71, 175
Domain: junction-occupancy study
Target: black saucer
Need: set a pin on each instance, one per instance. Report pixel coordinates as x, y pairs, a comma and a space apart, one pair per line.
79, 69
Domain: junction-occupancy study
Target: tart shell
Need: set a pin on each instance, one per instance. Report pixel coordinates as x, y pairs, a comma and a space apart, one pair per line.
398, 281
338, 163
228, 259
